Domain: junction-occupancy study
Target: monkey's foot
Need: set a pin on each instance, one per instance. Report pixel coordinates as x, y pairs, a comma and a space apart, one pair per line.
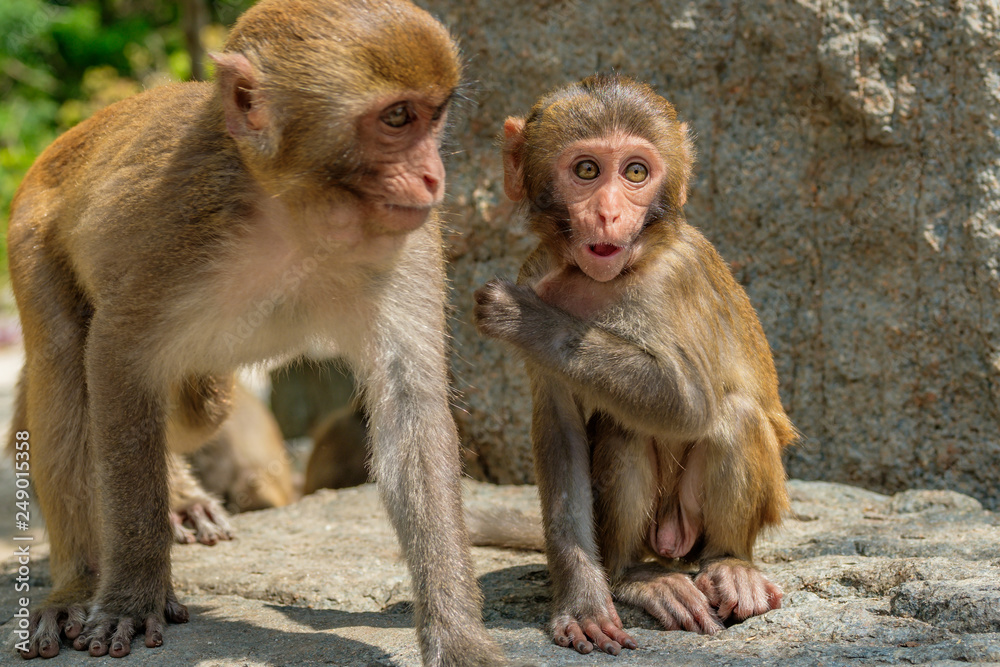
670, 597
202, 520
106, 632
47, 625
737, 589
583, 630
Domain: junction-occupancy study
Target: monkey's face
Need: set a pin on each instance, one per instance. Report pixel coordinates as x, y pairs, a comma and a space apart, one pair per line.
400, 140
608, 186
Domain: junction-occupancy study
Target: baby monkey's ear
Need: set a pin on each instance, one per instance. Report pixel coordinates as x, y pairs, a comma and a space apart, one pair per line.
513, 158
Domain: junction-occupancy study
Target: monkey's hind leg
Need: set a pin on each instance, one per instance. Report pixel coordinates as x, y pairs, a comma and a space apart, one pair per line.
51, 415
744, 491
626, 478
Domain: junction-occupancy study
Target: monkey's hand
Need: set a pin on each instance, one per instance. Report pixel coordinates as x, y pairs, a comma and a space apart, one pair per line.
109, 631
208, 522
737, 589
497, 313
195, 515
513, 313
583, 626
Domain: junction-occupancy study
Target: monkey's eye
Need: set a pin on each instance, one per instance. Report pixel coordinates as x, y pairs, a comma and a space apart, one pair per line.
636, 172
587, 170
397, 116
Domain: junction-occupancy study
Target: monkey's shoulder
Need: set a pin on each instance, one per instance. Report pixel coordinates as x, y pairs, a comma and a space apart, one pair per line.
142, 120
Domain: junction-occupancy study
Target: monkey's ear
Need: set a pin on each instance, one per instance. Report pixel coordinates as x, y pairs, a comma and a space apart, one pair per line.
513, 143
244, 104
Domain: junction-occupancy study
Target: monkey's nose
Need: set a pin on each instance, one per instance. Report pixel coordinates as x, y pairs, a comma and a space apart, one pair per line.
432, 182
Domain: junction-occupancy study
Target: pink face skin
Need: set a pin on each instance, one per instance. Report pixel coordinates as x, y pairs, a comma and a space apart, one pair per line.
401, 141
607, 185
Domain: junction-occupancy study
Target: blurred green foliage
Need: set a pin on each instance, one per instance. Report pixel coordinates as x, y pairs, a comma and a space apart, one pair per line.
62, 60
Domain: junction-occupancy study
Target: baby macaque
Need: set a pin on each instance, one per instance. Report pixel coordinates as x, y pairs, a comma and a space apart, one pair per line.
657, 427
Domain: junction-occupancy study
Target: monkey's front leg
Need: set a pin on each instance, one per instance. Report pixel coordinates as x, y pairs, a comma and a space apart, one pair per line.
417, 468
584, 614
127, 438
630, 381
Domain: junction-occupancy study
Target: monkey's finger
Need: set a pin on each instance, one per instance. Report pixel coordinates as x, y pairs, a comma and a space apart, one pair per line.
218, 516
93, 636
32, 651
689, 607
175, 611
774, 595
761, 603
154, 632
561, 633
619, 635
121, 641
182, 534
746, 594
703, 582
578, 638
97, 642
708, 622
47, 636
658, 610
601, 640
684, 617
726, 593
76, 616
204, 530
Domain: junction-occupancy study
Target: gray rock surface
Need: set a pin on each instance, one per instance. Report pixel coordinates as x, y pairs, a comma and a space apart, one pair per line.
869, 580
849, 154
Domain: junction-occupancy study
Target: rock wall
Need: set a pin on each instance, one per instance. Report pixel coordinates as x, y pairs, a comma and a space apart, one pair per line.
848, 166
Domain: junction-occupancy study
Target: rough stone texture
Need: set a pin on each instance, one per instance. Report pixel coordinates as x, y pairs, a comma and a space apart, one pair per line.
848, 166
869, 580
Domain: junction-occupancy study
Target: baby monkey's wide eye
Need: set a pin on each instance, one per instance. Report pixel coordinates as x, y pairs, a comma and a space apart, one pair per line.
587, 170
397, 116
636, 172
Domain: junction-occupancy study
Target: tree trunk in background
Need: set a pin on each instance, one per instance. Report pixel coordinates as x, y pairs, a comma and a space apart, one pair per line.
194, 17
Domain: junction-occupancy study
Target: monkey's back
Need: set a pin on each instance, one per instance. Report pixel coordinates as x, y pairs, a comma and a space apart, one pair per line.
742, 327
97, 192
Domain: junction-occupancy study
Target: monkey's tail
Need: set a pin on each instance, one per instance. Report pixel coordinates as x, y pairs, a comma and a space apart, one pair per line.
503, 527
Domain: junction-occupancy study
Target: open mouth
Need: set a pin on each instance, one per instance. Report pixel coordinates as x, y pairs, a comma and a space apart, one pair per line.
604, 249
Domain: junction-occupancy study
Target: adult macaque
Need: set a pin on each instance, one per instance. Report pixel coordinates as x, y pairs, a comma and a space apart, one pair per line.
656, 412
197, 227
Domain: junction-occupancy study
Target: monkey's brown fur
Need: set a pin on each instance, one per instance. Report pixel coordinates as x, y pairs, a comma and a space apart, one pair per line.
197, 227
657, 426
246, 463
338, 455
